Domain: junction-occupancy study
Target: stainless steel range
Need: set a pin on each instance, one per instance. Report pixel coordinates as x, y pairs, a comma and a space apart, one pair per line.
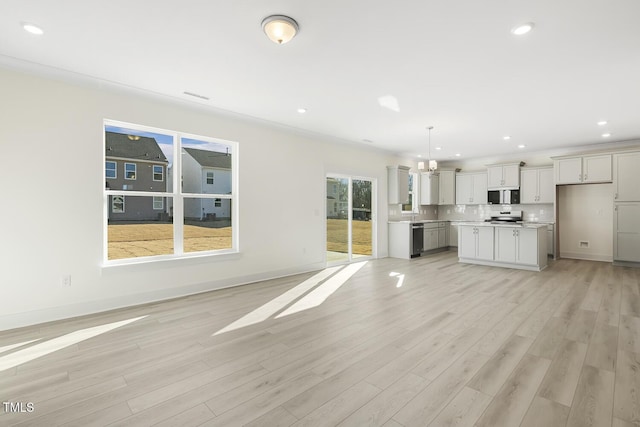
505, 217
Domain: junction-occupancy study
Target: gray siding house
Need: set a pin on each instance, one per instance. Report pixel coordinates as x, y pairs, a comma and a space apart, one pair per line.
135, 163
206, 172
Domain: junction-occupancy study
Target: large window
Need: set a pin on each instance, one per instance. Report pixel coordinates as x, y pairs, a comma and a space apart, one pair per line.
172, 217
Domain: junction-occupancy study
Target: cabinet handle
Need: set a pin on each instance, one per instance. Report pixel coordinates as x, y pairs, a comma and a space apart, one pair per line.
580, 177
585, 176
615, 196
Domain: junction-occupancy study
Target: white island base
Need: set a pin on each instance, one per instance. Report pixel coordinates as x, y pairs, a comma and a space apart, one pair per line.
521, 246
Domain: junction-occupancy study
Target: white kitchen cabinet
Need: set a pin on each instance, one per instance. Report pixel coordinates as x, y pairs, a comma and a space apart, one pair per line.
626, 237
435, 235
471, 188
475, 242
516, 245
429, 188
442, 237
583, 170
398, 184
522, 247
447, 188
453, 234
536, 185
500, 177
430, 238
626, 177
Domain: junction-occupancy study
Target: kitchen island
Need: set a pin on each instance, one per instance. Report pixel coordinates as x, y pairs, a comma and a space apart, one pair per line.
521, 246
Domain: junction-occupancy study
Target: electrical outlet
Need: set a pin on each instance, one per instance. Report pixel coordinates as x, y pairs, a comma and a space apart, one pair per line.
66, 281
584, 244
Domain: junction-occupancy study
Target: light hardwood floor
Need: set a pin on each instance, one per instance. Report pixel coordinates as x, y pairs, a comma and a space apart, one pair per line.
455, 345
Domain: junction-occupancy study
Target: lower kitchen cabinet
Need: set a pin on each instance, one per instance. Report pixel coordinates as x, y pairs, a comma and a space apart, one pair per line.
504, 246
475, 242
435, 236
626, 238
517, 245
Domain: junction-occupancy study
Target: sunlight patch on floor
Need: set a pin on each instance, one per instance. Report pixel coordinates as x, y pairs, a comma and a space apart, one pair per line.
400, 278
324, 291
19, 357
272, 307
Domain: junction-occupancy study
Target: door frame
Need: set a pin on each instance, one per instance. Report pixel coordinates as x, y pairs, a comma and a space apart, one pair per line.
374, 217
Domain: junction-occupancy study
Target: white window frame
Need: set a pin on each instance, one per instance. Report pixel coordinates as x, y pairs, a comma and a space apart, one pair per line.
414, 194
153, 173
156, 206
135, 171
115, 169
207, 178
217, 203
178, 197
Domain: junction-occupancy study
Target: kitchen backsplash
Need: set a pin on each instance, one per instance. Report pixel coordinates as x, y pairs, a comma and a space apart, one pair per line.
426, 212
541, 212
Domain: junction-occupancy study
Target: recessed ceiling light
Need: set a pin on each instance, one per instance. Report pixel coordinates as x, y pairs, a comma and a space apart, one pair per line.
32, 28
302, 110
458, 154
438, 148
606, 135
521, 146
522, 28
506, 138
602, 123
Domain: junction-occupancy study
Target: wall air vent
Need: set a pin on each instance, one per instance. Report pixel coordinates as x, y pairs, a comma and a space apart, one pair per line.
206, 98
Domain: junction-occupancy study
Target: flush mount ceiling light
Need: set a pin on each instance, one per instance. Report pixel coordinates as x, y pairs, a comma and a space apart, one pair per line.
506, 138
606, 135
521, 146
522, 28
32, 28
302, 110
279, 28
602, 122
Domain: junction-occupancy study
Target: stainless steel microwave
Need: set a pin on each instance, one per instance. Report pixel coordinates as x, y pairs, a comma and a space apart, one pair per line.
504, 197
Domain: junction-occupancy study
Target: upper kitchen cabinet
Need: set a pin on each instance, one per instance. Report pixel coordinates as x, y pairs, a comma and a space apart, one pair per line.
447, 188
429, 188
626, 177
536, 185
471, 188
398, 184
583, 169
504, 177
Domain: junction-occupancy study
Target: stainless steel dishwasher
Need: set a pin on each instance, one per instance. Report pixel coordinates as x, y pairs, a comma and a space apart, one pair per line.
417, 239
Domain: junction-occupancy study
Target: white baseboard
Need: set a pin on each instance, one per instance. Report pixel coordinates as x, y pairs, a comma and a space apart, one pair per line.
19, 320
587, 257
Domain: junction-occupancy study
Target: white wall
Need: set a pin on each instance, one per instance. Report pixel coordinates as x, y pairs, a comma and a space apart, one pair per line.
585, 214
51, 215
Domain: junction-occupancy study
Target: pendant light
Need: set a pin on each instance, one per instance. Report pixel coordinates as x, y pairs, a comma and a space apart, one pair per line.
433, 165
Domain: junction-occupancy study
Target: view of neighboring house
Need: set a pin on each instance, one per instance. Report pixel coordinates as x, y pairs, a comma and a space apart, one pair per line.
135, 163
337, 202
206, 172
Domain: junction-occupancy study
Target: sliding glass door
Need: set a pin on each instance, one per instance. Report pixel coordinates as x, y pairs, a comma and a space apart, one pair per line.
350, 218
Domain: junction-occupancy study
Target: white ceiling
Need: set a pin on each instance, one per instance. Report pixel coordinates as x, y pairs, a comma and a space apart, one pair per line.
453, 65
